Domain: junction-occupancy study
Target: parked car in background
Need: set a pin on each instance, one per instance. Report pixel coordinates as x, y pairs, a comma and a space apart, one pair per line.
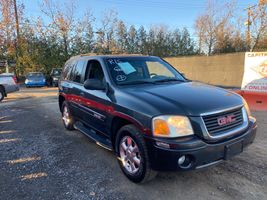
54, 77
153, 118
11, 75
35, 79
7, 85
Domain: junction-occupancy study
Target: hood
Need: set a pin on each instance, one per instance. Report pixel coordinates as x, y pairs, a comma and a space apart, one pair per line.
187, 98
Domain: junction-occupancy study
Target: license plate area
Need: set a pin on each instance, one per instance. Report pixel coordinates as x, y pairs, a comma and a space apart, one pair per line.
233, 149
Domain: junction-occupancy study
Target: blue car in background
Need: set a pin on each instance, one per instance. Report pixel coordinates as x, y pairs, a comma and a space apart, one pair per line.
35, 79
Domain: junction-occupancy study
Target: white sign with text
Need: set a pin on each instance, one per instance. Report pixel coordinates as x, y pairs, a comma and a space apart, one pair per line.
255, 72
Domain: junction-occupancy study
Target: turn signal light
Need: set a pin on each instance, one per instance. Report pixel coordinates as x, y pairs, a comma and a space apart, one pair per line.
161, 127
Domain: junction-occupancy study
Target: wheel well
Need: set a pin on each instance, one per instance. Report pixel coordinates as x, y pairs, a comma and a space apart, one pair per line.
116, 124
61, 99
2, 87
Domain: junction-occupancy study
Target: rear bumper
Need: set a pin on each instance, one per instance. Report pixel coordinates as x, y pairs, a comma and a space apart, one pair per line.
199, 153
11, 88
35, 84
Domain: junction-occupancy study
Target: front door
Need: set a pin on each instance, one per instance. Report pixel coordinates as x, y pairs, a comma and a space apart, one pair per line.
96, 104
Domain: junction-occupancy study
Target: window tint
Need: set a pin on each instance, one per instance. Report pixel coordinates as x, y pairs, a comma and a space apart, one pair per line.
35, 75
77, 72
67, 69
56, 72
94, 71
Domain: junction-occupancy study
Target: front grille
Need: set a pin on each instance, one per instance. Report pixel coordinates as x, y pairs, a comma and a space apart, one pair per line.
220, 122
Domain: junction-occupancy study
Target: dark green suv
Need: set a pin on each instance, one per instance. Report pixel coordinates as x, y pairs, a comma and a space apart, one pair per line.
153, 118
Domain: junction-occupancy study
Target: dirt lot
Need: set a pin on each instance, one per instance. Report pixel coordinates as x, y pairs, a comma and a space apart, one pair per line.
41, 160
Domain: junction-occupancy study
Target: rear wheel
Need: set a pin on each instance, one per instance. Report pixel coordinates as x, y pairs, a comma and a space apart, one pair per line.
132, 154
2, 94
66, 116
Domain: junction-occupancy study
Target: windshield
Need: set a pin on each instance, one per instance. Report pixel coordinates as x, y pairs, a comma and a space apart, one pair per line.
56, 72
35, 75
134, 70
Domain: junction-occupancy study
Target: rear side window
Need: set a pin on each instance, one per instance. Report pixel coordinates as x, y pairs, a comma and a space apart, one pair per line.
77, 71
67, 69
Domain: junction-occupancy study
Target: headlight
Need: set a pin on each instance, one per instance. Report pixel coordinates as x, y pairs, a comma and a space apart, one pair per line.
26, 81
44, 80
247, 107
55, 79
171, 126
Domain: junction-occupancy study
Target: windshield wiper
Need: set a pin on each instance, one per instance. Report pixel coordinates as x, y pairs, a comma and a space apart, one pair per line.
168, 80
136, 82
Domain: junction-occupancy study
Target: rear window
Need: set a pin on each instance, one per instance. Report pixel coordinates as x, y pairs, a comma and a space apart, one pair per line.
35, 75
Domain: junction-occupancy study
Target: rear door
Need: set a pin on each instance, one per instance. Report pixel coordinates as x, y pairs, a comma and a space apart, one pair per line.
77, 79
66, 84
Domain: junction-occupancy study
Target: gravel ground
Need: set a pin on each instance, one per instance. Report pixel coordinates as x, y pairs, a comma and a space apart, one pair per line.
41, 160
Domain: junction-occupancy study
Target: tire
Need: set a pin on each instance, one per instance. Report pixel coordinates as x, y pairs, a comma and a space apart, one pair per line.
2, 94
67, 118
129, 137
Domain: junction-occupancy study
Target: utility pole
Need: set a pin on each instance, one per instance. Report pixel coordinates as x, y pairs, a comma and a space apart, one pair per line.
17, 19
248, 23
17, 29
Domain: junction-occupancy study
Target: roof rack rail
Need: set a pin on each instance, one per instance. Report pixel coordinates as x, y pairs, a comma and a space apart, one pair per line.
89, 54
113, 54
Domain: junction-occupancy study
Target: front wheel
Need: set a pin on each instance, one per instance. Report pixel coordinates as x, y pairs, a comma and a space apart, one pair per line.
66, 116
132, 155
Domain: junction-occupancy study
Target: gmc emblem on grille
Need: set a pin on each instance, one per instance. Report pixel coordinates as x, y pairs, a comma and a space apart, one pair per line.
226, 120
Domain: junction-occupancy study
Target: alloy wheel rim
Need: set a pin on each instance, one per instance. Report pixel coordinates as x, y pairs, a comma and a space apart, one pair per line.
1, 95
66, 116
130, 155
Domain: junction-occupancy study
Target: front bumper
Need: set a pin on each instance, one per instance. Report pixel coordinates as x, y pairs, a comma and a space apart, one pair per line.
199, 152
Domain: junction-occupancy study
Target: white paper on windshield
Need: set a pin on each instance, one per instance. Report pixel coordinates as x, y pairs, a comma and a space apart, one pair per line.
126, 67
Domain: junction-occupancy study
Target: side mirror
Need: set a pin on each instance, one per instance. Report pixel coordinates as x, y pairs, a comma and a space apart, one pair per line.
94, 84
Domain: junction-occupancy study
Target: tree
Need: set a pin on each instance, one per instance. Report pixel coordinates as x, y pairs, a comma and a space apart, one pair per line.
62, 18
259, 26
132, 40
7, 29
141, 40
122, 41
83, 38
212, 27
106, 34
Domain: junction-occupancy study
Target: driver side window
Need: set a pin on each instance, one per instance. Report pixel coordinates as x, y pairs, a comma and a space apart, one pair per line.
94, 71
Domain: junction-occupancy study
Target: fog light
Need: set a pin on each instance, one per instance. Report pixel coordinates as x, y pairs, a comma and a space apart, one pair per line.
181, 160
185, 161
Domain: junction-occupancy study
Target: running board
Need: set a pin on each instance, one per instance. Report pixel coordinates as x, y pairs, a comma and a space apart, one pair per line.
98, 139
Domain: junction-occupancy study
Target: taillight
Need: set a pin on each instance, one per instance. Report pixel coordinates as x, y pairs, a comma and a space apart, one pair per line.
15, 79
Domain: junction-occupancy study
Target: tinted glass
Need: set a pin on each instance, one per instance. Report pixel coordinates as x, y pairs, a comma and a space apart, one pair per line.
67, 69
94, 71
56, 72
77, 72
35, 75
138, 69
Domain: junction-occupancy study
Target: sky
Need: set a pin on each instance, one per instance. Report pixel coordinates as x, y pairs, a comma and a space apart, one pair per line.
173, 13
